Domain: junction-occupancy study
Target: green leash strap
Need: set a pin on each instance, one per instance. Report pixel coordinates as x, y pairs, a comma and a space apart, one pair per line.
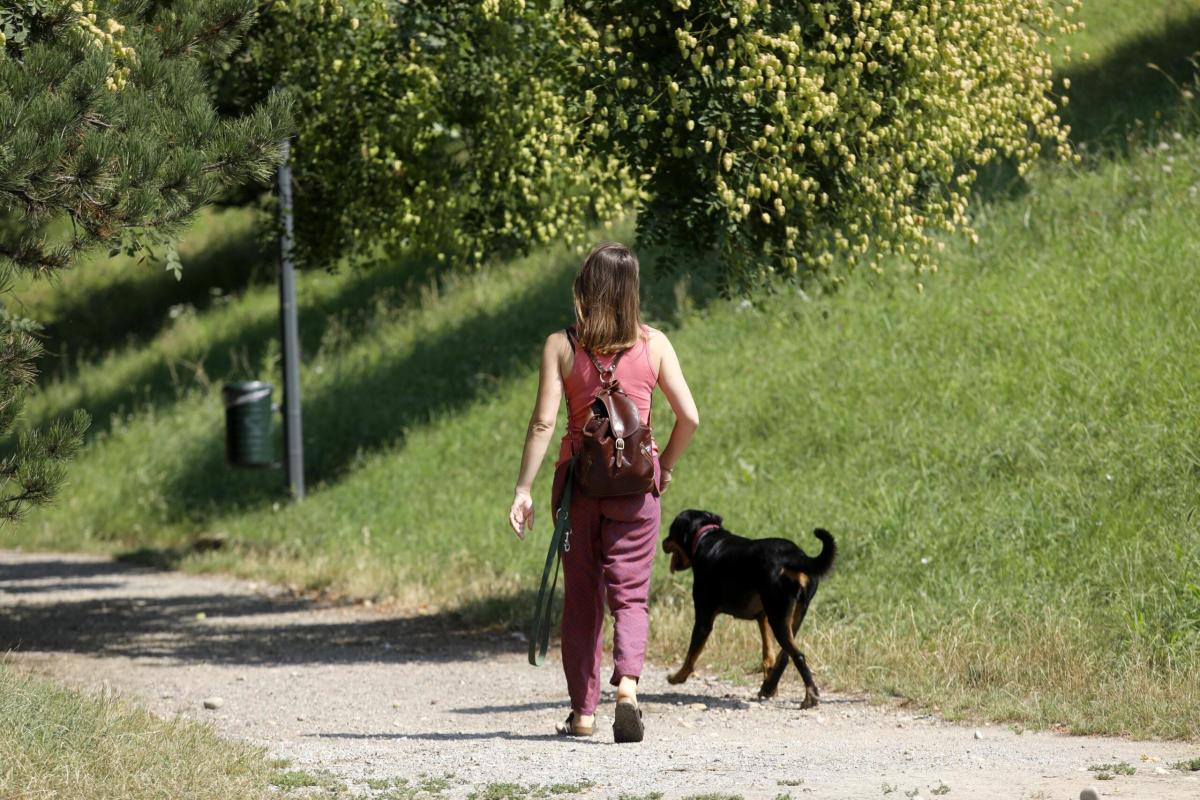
539, 633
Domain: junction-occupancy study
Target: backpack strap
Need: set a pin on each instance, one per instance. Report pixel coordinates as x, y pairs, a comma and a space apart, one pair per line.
606, 373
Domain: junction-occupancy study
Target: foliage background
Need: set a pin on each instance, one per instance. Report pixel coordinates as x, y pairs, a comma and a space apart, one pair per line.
1009, 457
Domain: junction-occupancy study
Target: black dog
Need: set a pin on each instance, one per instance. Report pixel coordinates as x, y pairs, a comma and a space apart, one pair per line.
768, 580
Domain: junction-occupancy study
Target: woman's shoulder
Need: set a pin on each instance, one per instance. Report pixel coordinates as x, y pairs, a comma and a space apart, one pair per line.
558, 343
657, 345
651, 334
654, 338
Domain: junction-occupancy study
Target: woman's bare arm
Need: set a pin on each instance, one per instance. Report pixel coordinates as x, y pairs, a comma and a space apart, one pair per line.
687, 417
540, 431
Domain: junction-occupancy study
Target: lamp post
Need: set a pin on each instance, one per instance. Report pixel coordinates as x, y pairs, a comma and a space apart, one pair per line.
293, 443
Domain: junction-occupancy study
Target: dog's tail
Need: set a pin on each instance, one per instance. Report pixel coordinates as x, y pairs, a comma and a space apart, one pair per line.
824, 560
801, 568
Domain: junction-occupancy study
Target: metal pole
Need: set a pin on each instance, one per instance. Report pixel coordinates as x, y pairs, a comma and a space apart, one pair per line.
290, 332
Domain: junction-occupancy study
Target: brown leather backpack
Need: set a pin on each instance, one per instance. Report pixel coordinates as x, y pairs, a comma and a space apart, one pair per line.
617, 452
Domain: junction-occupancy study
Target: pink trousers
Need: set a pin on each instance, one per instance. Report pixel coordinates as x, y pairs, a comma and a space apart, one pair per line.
612, 545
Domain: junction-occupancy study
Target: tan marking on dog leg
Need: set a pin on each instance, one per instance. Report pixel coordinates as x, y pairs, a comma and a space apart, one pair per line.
685, 671
796, 575
689, 665
768, 655
811, 694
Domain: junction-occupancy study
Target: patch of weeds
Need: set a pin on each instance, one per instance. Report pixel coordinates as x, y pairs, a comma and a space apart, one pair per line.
279, 763
941, 788
784, 796
1107, 772
300, 779
889, 788
714, 797
569, 788
435, 785
500, 791
427, 788
515, 791
789, 781
1188, 766
913, 793
648, 796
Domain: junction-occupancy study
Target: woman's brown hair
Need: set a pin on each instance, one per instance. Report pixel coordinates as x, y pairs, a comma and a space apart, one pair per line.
608, 310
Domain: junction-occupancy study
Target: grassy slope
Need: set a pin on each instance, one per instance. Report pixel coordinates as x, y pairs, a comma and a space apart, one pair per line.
1009, 458
57, 743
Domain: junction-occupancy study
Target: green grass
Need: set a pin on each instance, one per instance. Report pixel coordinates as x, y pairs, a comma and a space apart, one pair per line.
1010, 458
298, 783
517, 791
55, 742
1108, 772
291, 780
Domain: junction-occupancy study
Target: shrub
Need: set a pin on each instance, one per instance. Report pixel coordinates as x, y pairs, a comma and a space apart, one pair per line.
444, 127
785, 135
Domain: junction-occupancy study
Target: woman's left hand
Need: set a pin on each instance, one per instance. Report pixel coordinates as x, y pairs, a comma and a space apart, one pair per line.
521, 513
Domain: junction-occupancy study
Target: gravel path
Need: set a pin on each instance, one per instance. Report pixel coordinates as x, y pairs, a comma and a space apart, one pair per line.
368, 694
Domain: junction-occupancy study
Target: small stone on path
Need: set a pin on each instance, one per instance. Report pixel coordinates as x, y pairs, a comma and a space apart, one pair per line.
213, 702
978, 734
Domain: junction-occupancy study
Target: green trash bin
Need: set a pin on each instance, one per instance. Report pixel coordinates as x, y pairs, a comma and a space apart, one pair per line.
249, 424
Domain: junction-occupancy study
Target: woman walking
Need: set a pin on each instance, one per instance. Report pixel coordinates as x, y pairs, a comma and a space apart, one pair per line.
612, 539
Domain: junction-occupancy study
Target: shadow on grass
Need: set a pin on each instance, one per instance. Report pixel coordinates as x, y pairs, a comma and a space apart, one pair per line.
1123, 93
229, 354
136, 307
365, 408
1119, 102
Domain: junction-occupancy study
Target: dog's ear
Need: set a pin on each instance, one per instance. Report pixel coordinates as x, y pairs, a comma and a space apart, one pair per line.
683, 524
716, 519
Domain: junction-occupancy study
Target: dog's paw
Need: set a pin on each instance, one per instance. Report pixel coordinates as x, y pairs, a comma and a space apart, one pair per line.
767, 692
678, 677
811, 698
768, 664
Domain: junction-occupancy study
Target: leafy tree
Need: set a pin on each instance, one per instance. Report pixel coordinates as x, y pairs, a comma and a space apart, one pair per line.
782, 136
108, 137
448, 128
786, 134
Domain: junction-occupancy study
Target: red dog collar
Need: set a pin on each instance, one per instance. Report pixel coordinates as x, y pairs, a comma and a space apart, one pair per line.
700, 533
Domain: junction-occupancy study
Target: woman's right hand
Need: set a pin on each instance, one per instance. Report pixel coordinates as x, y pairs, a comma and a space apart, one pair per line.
664, 479
521, 513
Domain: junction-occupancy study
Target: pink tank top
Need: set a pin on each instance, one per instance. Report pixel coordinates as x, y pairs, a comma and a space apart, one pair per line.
635, 373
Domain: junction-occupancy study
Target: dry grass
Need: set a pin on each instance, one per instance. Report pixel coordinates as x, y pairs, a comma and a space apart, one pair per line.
1043, 672
58, 743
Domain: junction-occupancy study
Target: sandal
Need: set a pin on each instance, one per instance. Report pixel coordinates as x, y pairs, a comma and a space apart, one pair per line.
628, 725
570, 728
